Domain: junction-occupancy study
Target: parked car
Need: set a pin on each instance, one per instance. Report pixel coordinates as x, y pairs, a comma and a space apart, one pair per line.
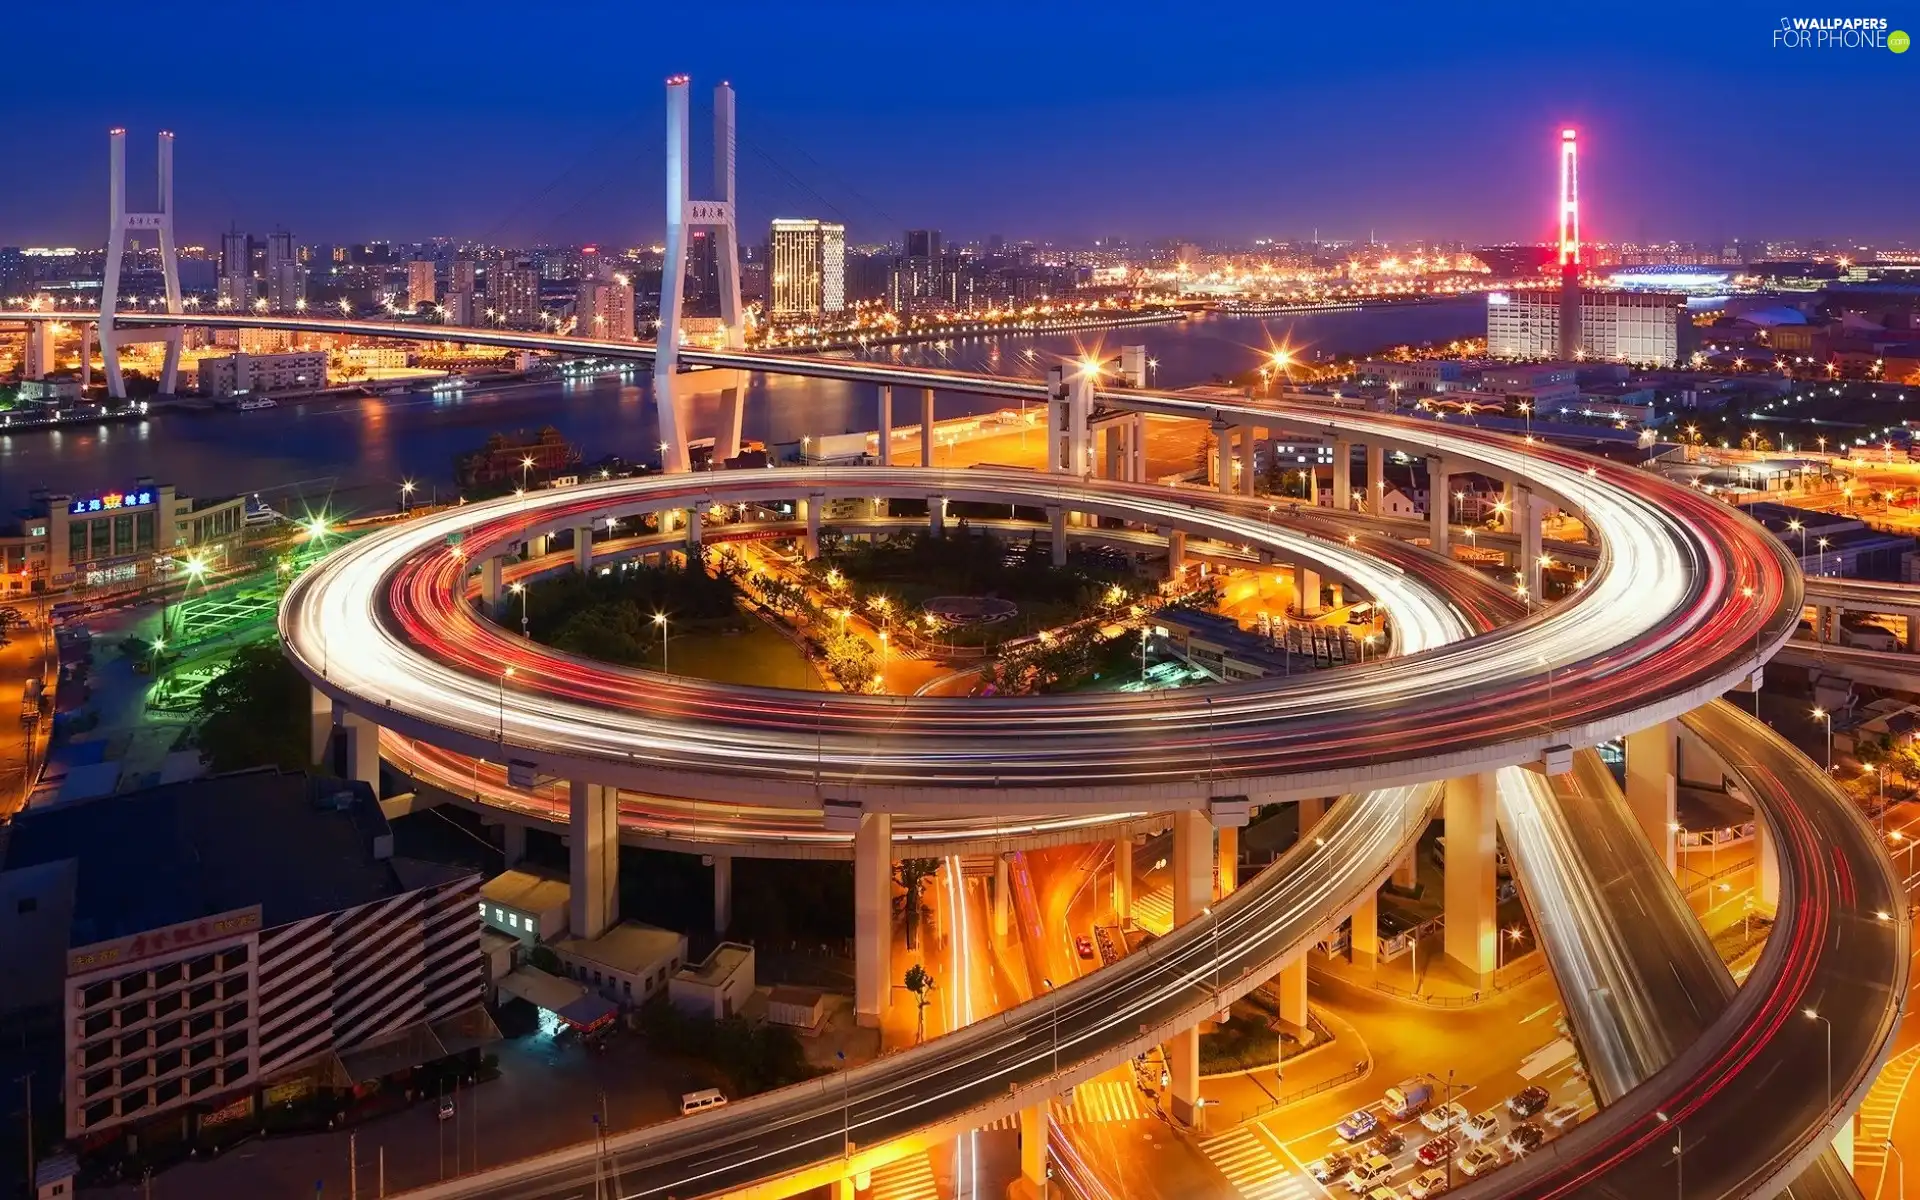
1370, 1174
1480, 1127
1528, 1101
1388, 1142
1525, 1137
1427, 1184
1357, 1124
1438, 1150
1564, 1117
1479, 1161
1330, 1168
1447, 1116
1084, 945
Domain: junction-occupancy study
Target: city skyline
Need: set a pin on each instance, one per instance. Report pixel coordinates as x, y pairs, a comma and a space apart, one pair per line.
1330, 133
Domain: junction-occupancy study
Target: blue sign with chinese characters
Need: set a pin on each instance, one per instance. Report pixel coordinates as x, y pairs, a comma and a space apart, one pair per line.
111, 502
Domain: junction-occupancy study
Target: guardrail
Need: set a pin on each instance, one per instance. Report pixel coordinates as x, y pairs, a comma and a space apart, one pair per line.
1358, 1072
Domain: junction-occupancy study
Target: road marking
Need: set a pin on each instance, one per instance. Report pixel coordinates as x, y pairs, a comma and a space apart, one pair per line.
1251, 1167
1105, 1100
1153, 912
909, 1178
1542, 1011
1546, 1058
1878, 1109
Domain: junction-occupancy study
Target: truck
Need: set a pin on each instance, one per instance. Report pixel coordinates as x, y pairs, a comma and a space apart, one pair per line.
1409, 1098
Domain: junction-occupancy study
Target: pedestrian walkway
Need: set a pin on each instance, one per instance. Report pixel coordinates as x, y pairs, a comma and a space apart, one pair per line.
1878, 1109
909, 1178
1153, 912
1107, 1100
1252, 1167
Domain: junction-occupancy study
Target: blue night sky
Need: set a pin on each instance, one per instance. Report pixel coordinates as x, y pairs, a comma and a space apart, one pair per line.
519, 123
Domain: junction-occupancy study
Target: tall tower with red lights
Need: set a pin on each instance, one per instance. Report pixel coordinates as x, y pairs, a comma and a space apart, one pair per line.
1569, 245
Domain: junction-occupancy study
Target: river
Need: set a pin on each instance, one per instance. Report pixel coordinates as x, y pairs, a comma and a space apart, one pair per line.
352, 453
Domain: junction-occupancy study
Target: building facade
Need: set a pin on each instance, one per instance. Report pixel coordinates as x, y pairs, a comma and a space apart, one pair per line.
420, 288
296, 371
130, 537
513, 293
1618, 326
808, 269
604, 308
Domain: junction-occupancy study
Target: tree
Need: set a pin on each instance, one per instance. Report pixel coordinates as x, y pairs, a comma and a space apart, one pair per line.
850, 661
910, 874
920, 983
255, 713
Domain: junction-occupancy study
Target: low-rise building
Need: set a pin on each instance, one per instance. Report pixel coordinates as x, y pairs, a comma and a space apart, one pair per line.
294, 371
122, 538
208, 947
627, 964
718, 986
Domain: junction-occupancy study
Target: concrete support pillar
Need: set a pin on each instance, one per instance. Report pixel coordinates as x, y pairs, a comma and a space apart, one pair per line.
1312, 809
694, 518
1057, 524
810, 507
1406, 875
1652, 785
1192, 864
1002, 897
1246, 460
1291, 983
1137, 470
1306, 590
1123, 878
363, 751
513, 843
1468, 894
1363, 938
1843, 1142
1439, 497
537, 547
593, 858
1766, 851
1820, 614
1223, 457
1183, 1066
926, 427
583, 549
1525, 515
1376, 478
1033, 1146
872, 916
722, 893
1112, 435
1226, 861
490, 573
322, 726
937, 516
1176, 553
886, 425
843, 1188
1342, 475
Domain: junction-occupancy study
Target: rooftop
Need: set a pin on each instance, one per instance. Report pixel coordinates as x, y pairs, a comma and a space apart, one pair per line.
528, 891
628, 948
147, 859
719, 965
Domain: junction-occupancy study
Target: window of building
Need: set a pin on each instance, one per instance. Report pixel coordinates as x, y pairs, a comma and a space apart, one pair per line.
94, 1084
143, 525
201, 967
165, 976
166, 1062
201, 1081
97, 1053
133, 1102
234, 1043
530, 926
167, 1092
626, 985
513, 920
77, 541
93, 1114
201, 995
96, 993
235, 957
199, 1025
234, 1014
236, 986
167, 1004
123, 534
138, 1069
201, 1052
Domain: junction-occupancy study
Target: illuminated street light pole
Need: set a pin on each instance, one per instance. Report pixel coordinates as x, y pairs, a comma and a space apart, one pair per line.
504, 676
1821, 714
520, 590
1814, 1015
660, 622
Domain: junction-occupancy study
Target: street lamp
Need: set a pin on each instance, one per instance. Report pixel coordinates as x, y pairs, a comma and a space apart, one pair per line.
406, 494
1679, 1157
504, 676
520, 590
1821, 714
660, 622
1513, 935
1814, 1015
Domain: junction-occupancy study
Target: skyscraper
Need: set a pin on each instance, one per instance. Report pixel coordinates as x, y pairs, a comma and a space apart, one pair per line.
917, 274
420, 283
808, 268
236, 270
284, 288
513, 292
460, 276
604, 308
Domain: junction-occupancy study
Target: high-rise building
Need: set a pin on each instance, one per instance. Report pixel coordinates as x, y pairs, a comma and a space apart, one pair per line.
236, 270
918, 278
460, 276
420, 283
808, 272
285, 288
702, 297
457, 308
604, 308
1612, 326
513, 292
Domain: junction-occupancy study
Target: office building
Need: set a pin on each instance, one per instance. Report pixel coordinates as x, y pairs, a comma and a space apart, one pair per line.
604, 308
513, 292
218, 946
420, 283
295, 371
236, 271
1635, 327
286, 285
118, 537
808, 269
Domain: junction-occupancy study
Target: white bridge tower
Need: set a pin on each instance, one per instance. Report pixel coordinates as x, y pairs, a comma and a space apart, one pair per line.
685, 214
120, 220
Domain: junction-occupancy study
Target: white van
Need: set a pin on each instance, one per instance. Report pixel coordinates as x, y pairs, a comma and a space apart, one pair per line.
701, 1101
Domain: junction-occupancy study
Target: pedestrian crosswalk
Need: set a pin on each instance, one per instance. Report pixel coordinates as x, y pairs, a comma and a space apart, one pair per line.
1153, 911
1251, 1167
909, 1178
1878, 1109
1094, 1103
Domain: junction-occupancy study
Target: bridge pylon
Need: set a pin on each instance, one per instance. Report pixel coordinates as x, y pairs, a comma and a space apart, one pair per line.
684, 215
119, 220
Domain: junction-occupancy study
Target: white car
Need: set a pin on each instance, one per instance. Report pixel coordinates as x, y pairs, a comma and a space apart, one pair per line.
1447, 1116
1428, 1184
1479, 1161
1370, 1174
1480, 1128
